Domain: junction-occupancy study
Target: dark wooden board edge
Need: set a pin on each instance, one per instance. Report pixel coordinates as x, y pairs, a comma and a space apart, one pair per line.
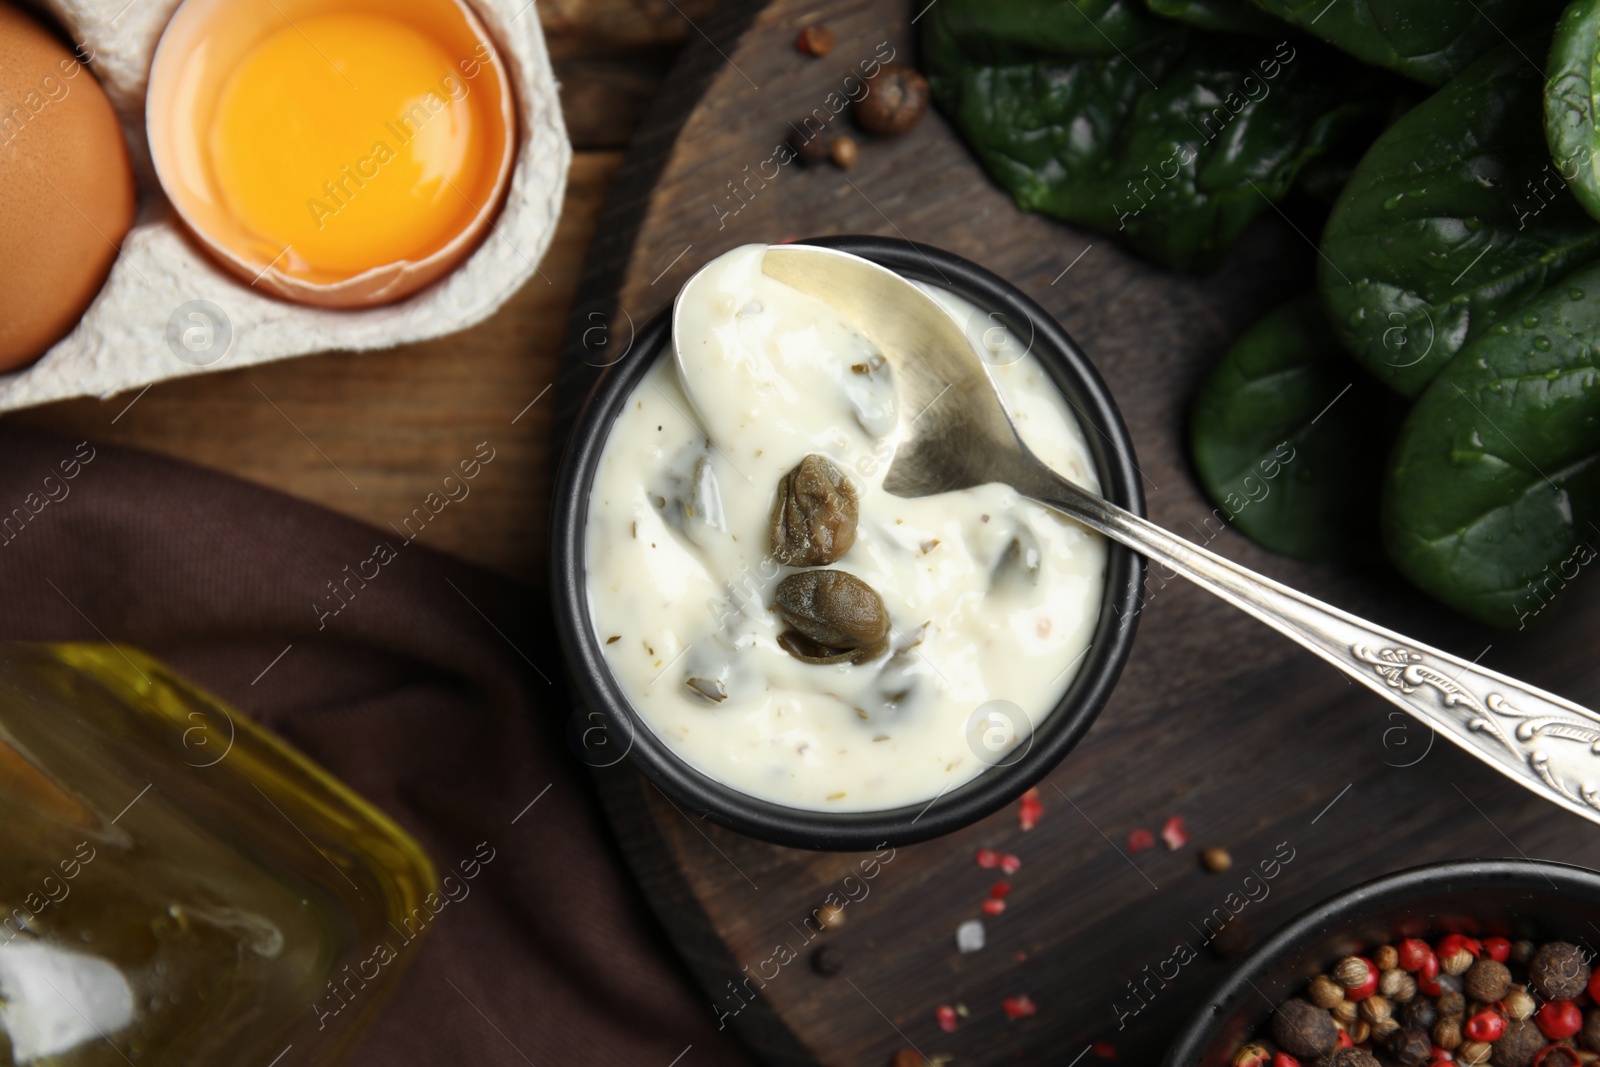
628, 799
594, 339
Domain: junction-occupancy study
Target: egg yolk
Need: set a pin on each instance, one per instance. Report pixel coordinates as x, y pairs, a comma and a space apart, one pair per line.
350, 141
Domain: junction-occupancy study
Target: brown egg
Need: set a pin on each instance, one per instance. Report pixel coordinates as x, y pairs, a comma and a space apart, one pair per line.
66, 188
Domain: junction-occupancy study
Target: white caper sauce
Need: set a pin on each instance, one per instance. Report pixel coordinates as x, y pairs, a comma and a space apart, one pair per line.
992, 598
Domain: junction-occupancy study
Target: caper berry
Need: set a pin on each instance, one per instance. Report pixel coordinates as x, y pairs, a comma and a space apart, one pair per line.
814, 518
833, 617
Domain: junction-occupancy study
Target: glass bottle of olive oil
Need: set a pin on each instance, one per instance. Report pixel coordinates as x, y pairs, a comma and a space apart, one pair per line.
177, 885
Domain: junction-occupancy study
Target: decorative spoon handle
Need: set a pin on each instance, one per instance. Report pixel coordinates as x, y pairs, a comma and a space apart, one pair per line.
1549, 745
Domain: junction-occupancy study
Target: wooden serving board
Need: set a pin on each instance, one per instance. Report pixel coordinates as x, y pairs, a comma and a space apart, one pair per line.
1261, 748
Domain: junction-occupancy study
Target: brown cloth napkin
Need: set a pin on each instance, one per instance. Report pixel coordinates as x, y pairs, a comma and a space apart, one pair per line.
436, 692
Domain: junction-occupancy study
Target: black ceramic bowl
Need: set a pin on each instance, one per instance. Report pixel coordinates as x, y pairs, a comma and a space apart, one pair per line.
609, 723
1512, 898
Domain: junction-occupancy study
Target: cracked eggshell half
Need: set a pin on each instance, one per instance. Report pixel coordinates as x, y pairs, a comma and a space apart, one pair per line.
206, 45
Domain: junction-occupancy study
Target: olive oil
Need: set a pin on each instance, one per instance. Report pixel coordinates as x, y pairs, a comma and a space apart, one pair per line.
177, 885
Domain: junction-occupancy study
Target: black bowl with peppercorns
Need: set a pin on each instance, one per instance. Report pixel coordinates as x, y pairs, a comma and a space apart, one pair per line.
607, 729
1471, 962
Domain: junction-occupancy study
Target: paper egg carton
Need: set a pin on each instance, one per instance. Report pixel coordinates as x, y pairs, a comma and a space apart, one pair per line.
162, 284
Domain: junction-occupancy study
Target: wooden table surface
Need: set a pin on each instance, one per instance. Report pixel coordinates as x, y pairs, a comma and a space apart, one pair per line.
1311, 782
1254, 742
395, 422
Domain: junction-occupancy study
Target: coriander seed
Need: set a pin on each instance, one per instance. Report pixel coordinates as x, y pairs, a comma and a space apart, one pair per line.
1456, 961
1518, 1003
844, 152
1375, 1008
1352, 972
1252, 1056
1324, 992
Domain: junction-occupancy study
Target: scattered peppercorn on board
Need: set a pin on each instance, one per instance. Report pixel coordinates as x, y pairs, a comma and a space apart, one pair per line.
1100, 925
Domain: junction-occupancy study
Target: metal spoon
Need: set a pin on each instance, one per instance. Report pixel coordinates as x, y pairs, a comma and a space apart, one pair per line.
956, 433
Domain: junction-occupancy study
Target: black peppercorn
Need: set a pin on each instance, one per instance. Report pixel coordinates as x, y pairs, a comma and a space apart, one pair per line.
1560, 1056
1419, 1014
811, 147
1410, 1047
1486, 980
825, 961
897, 98
1349, 1057
1518, 1045
1303, 1029
1558, 971
1232, 939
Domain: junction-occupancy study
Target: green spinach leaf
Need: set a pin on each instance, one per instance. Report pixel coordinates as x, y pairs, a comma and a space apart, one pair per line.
1173, 144
1429, 40
1001, 31
1229, 16
1493, 493
1438, 233
1287, 437
1572, 83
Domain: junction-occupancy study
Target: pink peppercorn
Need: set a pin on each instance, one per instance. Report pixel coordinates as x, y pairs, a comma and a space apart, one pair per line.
1487, 1025
1017, 1007
1559, 1019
